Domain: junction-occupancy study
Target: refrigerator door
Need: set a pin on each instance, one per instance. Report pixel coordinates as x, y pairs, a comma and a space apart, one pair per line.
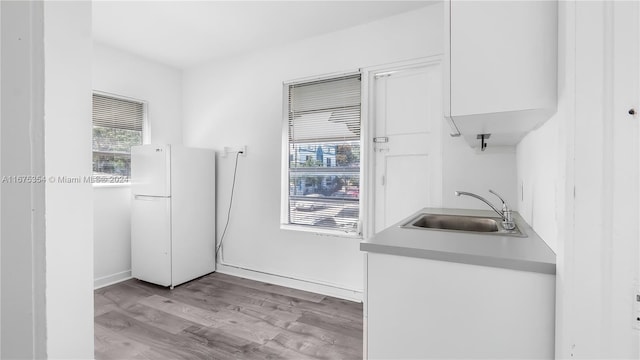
151, 170
151, 239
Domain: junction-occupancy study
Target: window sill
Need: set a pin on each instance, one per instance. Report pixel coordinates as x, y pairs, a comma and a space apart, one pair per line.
320, 231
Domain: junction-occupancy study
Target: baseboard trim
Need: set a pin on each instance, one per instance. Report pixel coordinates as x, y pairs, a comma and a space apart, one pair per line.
305, 285
111, 279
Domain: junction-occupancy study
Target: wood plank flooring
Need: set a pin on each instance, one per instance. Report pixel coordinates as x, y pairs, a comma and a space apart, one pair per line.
222, 317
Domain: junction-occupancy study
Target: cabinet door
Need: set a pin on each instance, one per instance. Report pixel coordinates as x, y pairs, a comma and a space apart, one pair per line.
500, 68
499, 55
427, 309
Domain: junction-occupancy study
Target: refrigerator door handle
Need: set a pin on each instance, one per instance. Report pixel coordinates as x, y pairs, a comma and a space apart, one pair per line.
149, 198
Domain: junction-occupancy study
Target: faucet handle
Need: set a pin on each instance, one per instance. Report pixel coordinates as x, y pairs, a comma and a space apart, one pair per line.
507, 217
504, 203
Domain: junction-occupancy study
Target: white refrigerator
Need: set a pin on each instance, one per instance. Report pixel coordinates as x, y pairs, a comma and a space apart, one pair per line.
173, 213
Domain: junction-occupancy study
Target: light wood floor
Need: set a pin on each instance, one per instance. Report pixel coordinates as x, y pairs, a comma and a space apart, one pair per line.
223, 317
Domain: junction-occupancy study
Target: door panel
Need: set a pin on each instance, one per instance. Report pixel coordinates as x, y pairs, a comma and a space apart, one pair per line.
404, 99
407, 113
151, 239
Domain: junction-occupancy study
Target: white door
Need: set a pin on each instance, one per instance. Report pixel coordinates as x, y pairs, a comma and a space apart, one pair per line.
151, 170
407, 112
151, 239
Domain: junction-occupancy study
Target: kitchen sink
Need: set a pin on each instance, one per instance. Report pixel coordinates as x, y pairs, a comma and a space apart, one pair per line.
461, 223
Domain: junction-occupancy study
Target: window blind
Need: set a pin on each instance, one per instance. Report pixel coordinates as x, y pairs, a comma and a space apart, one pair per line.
117, 113
117, 125
325, 110
324, 122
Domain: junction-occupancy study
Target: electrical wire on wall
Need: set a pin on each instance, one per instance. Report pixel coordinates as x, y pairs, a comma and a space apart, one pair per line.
233, 186
218, 249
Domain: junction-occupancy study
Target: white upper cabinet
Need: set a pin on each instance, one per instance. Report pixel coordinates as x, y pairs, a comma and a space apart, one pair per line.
500, 68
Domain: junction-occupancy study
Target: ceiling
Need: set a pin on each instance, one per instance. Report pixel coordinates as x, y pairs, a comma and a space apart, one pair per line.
187, 33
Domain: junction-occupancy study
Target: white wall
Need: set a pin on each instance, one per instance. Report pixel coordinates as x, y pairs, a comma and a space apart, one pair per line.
121, 73
69, 224
238, 101
0, 190
590, 147
540, 179
468, 169
124, 74
112, 234
545, 176
23, 308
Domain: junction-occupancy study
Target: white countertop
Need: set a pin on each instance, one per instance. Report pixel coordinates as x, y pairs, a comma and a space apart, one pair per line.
529, 253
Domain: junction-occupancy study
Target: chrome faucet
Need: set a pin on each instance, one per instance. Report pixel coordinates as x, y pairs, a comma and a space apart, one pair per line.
505, 214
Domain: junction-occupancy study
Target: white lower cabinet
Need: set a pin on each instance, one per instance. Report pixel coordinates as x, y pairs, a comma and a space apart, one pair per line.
427, 309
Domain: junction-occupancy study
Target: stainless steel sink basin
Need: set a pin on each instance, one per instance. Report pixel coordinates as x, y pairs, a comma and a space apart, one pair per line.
461, 223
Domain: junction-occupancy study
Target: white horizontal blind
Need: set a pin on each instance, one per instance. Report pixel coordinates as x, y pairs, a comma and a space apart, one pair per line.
325, 110
324, 120
117, 113
117, 125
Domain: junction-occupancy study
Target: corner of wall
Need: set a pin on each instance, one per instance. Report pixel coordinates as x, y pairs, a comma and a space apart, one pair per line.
539, 182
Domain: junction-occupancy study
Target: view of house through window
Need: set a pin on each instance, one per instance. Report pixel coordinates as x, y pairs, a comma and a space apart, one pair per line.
324, 153
117, 125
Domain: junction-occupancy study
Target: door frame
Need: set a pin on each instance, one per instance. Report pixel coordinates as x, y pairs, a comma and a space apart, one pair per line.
368, 180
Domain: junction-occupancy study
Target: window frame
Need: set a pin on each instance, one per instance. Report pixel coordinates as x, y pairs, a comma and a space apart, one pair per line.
363, 171
146, 133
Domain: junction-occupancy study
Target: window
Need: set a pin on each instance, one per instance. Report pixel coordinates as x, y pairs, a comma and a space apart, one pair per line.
323, 152
117, 125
